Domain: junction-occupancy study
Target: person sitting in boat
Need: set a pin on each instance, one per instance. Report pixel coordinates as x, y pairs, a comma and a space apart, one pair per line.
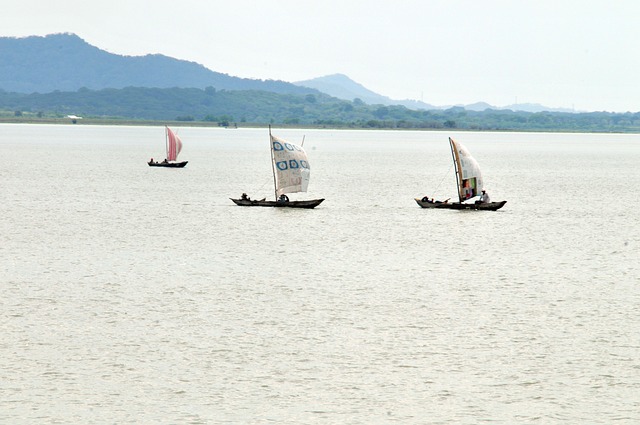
244, 197
484, 198
151, 161
426, 199
283, 198
165, 161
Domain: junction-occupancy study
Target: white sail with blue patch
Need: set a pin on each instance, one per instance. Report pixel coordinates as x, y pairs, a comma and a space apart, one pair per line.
291, 167
291, 173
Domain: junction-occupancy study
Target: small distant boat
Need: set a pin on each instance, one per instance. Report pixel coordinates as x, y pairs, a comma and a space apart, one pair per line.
469, 181
174, 146
74, 118
291, 174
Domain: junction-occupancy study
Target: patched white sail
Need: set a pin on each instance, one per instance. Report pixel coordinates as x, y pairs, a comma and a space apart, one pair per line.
291, 167
470, 182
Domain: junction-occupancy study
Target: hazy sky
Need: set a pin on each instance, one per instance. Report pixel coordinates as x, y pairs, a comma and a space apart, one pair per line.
580, 54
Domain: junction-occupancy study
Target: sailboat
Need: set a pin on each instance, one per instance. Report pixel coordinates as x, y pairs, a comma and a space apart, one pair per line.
469, 182
291, 173
174, 146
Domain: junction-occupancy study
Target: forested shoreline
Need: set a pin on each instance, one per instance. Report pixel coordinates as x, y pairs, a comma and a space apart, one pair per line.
251, 107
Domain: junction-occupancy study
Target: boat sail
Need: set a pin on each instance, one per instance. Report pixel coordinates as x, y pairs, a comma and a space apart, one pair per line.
174, 146
291, 173
469, 181
468, 173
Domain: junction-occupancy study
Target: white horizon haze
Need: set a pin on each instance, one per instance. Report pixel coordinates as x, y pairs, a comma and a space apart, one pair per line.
560, 54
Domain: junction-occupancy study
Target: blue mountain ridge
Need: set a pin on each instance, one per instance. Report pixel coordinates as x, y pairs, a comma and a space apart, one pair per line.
65, 62
342, 87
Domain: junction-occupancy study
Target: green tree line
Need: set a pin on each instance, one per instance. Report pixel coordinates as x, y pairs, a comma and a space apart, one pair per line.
261, 107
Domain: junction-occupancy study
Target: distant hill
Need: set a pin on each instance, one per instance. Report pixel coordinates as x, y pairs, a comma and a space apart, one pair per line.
342, 87
66, 62
524, 107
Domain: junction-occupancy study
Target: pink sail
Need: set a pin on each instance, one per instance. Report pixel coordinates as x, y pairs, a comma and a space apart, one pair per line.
174, 145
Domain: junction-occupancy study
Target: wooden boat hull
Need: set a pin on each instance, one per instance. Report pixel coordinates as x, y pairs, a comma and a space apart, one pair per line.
168, 164
488, 206
291, 204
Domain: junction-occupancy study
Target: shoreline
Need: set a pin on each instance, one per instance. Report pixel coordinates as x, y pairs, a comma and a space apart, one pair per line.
209, 124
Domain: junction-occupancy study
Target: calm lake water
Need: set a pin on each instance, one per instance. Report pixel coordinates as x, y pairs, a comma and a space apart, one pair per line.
133, 294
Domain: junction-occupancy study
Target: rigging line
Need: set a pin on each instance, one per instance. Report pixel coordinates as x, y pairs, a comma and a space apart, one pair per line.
445, 175
261, 187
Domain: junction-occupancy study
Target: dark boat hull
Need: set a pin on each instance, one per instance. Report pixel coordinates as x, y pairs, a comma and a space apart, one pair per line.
488, 206
168, 164
291, 204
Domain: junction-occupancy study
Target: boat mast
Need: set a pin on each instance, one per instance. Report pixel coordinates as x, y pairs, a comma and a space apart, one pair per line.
273, 165
454, 154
